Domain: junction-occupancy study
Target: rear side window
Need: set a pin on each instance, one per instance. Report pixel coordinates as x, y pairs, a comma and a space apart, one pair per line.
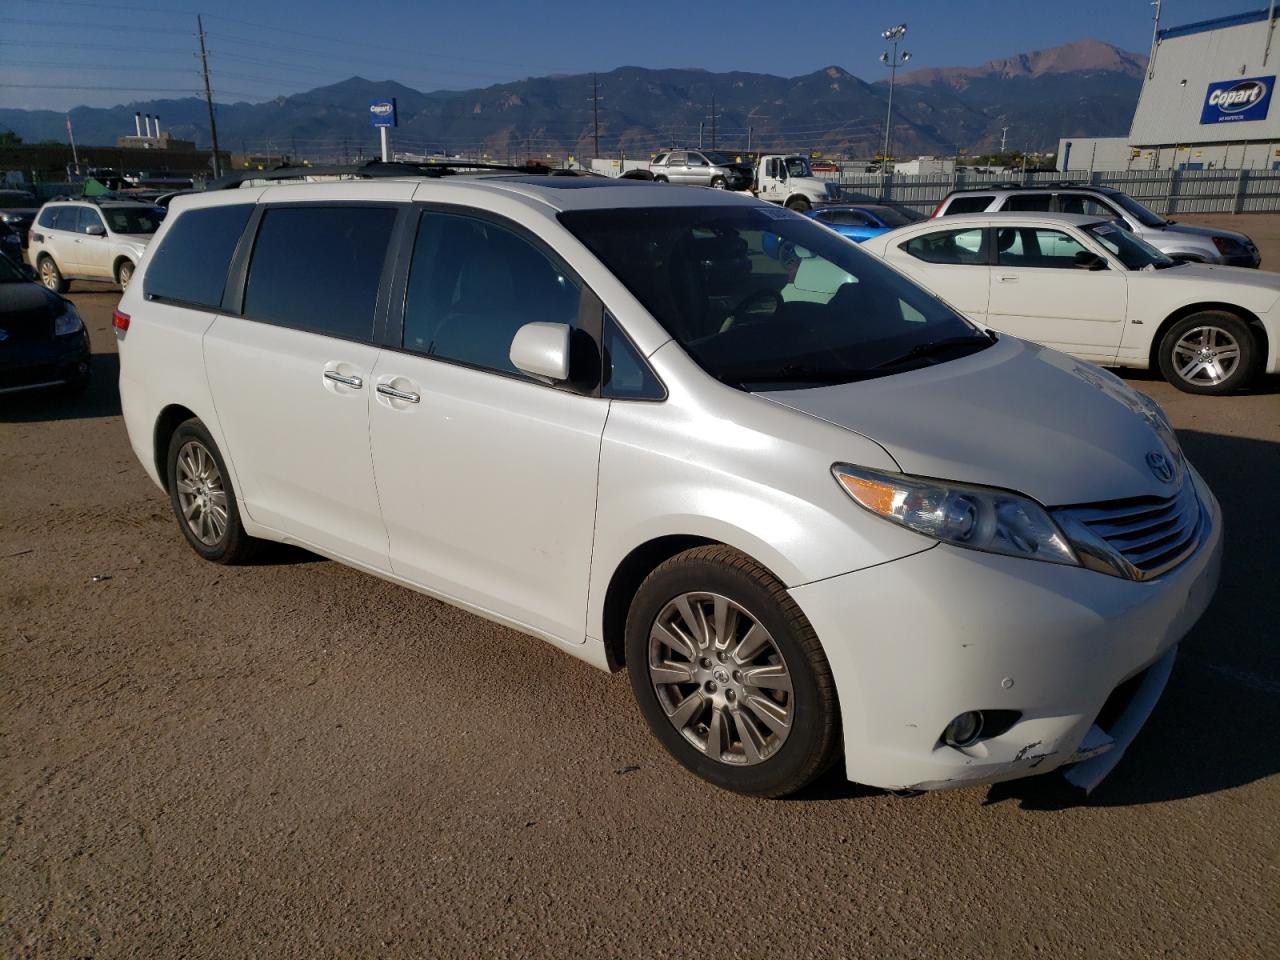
190, 264
1029, 202
318, 268
948, 246
1078, 203
969, 203
846, 218
473, 284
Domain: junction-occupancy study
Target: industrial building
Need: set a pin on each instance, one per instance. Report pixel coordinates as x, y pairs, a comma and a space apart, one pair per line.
1206, 103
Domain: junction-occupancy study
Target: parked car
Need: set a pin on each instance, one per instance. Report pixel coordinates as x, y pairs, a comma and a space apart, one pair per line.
607, 417
859, 222
1179, 241
17, 211
823, 166
91, 240
1089, 288
43, 341
701, 168
10, 243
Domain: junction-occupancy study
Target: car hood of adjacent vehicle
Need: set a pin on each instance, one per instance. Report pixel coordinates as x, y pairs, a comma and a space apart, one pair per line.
23, 302
1240, 238
1015, 415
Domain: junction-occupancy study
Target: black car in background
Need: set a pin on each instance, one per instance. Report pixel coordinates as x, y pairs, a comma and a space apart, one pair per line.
10, 243
18, 210
43, 341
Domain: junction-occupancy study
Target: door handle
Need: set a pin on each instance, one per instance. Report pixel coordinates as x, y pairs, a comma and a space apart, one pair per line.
1008, 279
389, 391
355, 383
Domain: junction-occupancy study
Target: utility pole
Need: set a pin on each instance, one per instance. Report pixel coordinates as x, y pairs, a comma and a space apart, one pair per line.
892, 61
750, 130
595, 110
701, 125
75, 157
712, 118
208, 97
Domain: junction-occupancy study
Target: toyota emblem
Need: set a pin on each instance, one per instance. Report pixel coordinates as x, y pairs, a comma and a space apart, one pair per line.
1160, 466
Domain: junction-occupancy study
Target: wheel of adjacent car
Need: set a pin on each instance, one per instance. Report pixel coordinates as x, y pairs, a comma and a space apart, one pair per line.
660, 180
1209, 352
719, 183
799, 205
124, 274
50, 275
730, 675
202, 498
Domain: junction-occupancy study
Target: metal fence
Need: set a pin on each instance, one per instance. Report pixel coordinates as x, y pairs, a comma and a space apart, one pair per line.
1167, 192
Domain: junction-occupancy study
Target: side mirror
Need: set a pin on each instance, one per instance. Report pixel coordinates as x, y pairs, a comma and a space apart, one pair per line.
1087, 260
542, 350
96, 230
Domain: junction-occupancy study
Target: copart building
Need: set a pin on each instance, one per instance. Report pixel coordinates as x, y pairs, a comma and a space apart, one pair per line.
1208, 102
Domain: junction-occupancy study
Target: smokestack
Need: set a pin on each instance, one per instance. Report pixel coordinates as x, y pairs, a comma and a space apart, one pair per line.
146, 119
137, 123
157, 126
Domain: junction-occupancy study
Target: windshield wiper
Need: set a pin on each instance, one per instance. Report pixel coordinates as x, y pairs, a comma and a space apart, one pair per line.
789, 373
930, 347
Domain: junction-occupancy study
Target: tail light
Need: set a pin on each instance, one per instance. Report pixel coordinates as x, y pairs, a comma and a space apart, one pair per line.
120, 321
938, 209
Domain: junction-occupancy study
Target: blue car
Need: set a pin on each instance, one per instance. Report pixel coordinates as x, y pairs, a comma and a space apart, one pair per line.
862, 221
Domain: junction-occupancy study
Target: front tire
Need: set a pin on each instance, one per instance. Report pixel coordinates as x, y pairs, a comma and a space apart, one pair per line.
730, 675
718, 183
51, 276
799, 205
661, 180
1211, 352
124, 274
202, 498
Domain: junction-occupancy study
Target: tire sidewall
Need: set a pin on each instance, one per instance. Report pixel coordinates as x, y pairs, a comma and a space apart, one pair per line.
224, 548
776, 775
800, 206
1235, 326
124, 276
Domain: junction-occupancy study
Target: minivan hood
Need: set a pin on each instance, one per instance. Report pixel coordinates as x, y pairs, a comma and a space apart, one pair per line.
1015, 415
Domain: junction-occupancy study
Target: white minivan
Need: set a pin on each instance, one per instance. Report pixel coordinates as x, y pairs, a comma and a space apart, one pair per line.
607, 414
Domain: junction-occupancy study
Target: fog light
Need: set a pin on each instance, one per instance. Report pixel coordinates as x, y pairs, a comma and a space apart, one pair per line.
964, 730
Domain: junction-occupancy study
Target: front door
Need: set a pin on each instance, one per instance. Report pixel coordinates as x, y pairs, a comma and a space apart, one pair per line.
487, 477
293, 375
1040, 292
93, 250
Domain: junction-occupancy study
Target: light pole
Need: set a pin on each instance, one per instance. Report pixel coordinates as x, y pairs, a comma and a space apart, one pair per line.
893, 60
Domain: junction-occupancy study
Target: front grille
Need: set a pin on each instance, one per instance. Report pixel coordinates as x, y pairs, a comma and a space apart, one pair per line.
1140, 538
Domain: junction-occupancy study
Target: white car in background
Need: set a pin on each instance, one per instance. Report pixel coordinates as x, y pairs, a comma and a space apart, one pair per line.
88, 239
1089, 288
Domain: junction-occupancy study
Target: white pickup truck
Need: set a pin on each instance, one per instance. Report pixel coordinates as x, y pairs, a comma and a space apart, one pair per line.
787, 179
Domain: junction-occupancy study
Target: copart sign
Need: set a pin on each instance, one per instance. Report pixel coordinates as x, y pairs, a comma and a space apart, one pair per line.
1233, 101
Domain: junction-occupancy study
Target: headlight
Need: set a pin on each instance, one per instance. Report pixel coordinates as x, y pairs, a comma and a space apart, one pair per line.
67, 322
979, 518
11, 217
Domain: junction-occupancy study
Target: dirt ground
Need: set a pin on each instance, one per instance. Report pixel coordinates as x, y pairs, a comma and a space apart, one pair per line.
297, 760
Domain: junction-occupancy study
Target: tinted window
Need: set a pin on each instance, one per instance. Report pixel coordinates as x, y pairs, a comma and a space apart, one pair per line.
1031, 247
948, 246
660, 158
318, 268
47, 217
968, 204
59, 218
765, 299
87, 217
134, 219
473, 284
1078, 203
1028, 202
846, 218
626, 375
190, 264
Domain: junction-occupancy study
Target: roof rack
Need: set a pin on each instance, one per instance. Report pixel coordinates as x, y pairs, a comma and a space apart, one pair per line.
376, 168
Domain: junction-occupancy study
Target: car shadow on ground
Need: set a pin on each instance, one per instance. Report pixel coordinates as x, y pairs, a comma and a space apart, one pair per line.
101, 399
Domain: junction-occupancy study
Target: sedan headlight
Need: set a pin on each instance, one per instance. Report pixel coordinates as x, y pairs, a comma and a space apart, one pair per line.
67, 322
979, 518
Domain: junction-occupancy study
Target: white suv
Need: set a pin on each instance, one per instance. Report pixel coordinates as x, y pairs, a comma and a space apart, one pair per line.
622, 418
91, 240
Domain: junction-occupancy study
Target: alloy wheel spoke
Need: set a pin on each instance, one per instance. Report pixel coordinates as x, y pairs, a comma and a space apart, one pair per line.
716, 733
772, 676
695, 624
672, 639
771, 714
669, 672
751, 644
753, 740
687, 709
726, 622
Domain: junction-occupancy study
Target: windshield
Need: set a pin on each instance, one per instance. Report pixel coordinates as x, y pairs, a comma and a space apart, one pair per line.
1133, 253
764, 298
10, 272
798, 167
133, 219
719, 159
1137, 210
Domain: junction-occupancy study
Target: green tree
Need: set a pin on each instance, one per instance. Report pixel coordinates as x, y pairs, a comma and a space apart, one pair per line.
9, 139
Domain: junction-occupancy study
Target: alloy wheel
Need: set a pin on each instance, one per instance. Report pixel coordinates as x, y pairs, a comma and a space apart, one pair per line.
201, 494
1206, 355
721, 678
49, 274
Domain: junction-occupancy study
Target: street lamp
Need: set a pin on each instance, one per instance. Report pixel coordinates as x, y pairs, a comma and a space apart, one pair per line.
893, 60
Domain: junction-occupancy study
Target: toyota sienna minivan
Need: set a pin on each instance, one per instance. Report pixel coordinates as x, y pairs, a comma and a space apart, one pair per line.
815, 513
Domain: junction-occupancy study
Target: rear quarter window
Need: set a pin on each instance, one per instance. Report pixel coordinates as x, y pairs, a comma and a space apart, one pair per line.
970, 203
190, 264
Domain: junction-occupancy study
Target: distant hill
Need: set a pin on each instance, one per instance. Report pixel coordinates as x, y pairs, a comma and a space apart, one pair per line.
1084, 88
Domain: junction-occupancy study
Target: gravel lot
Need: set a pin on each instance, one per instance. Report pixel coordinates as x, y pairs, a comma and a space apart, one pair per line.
295, 759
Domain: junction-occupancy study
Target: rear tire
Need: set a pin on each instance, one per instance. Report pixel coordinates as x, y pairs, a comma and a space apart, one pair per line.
1211, 352
50, 276
741, 694
202, 498
799, 205
124, 274
661, 180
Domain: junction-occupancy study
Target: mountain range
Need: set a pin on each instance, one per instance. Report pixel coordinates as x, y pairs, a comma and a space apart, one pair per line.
1086, 88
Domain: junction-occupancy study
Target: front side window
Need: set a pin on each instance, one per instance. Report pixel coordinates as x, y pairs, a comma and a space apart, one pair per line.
798, 167
1036, 247
948, 246
845, 218
473, 284
86, 217
626, 375
968, 204
318, 268
191, 262
1079, 203
763, 298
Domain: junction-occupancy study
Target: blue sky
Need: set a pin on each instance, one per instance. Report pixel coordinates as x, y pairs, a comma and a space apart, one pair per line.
55, 54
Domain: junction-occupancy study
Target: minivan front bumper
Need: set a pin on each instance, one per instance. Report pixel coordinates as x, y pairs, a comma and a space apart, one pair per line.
1079, 657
